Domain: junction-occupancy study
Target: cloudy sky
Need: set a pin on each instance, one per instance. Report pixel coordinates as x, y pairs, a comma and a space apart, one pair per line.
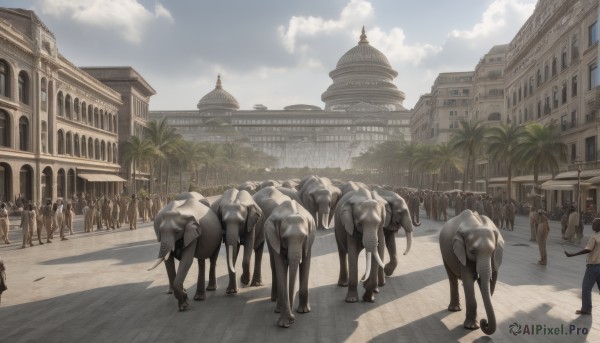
274, 52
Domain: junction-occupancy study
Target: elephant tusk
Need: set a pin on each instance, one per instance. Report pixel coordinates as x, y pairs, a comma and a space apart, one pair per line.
378, 260
156, 263
230, 258
368, 270
167, 256
408, 242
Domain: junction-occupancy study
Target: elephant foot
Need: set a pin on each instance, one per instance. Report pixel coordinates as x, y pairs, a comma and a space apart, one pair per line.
471, 324
200, 296
183, 303
245, 279
369, 297
352, 296
343, 282
376, 290
285, 321
231, 290
273, 297
381, 281
211, 287
389, 269
256, 283
454, 308
303, 308
170, 291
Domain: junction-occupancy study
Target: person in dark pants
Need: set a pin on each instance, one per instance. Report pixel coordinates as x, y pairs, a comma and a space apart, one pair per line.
592, 272
2, 278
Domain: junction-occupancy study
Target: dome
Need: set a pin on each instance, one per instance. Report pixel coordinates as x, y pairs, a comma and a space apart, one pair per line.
363, 75
218, 100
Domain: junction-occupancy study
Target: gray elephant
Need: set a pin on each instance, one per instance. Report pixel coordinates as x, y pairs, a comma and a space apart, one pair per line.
248, 186
360, 217
192, 195
319, 197
239, 214
290, 233
187, 229
472, 248
400, 217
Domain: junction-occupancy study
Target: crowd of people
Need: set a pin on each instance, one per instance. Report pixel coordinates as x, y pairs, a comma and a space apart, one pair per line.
104, 212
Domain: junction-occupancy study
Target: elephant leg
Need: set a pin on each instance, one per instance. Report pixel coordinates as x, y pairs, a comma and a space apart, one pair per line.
370, 285
248, 250
232, 287
381, 251
342, 253
471, 302
200, 292
304, 306
273, 278
390, 243
352, 295
184, 266
258, 255
212, 273
170, 266
454, 295
286, 318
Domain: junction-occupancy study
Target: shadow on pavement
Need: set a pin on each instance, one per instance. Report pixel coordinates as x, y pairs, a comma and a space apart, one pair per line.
131, 253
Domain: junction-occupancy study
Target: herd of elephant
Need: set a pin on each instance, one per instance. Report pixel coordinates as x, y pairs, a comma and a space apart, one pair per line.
286, 216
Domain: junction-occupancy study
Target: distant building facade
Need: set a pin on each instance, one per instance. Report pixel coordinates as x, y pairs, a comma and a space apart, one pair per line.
363, 108
59, 126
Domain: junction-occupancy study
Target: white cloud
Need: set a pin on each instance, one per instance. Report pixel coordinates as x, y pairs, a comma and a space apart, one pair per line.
126, 16
498, 16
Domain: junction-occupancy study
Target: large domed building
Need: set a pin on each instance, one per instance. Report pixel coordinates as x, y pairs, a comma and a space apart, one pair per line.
363, 108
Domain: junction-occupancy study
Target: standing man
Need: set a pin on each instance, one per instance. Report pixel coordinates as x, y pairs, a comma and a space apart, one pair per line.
4, 222
28, 223
47, 218
572, 224
114, 219
68, 217
542, 230
133, 213
533, 217
592, 271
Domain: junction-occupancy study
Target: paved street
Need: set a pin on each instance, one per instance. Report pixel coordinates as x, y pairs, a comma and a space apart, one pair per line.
95, 288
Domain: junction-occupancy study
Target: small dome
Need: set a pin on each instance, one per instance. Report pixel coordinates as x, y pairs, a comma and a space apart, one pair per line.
218, 100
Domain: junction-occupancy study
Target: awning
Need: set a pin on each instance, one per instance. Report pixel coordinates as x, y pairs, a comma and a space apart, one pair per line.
499, 179
529, 178
573, 174
497, 185
141, 178
562, 185
101, 178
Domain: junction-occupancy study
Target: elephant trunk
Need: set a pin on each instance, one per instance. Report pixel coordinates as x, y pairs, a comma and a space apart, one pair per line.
487, 326
232, 239
323, 219
294, 258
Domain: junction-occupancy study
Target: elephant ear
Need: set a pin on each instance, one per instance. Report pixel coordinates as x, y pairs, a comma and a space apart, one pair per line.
458, 246
273, 235
387, 214
336, 193
205, 202
191, 232
254, 214
497, 257
347, 218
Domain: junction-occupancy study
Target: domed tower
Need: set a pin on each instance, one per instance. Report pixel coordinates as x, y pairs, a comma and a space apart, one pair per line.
363, 75
218, 100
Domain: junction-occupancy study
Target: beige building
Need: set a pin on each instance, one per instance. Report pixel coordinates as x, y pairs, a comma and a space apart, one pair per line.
363, 108
421, 120
59, 126
551, 74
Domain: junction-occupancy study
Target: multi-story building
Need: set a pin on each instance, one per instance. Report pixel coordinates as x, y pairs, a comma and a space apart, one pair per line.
551, 74
58, 124
421, 120
363, 108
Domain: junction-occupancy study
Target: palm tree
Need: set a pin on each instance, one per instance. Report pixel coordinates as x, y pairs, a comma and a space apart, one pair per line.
408, 153
445, 160
541, 148
138, 151
165, 139
468, 140
423, 162
502, 142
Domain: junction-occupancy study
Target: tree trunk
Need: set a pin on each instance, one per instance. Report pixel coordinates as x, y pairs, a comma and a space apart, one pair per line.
134, 181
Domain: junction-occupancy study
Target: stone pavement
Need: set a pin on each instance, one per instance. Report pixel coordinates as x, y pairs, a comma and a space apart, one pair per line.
95, 288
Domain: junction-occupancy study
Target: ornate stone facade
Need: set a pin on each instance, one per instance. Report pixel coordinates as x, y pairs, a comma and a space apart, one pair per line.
58, 124
363, 108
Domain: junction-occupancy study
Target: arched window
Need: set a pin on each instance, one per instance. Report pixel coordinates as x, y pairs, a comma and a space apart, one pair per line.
60, 102
102, 120
103, 151
47, 183
96, 118
4, 79
109, 122
76, 109
4, 129
69, 143
24, 133
60, 183
26, 182
44, 94
90, 115
90, 148
23, 87
76, 145
115, 156
97, 149
60, 142
70, 183
84, 112
83, 147
108, 153
115, 124
68, 106
44, 137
